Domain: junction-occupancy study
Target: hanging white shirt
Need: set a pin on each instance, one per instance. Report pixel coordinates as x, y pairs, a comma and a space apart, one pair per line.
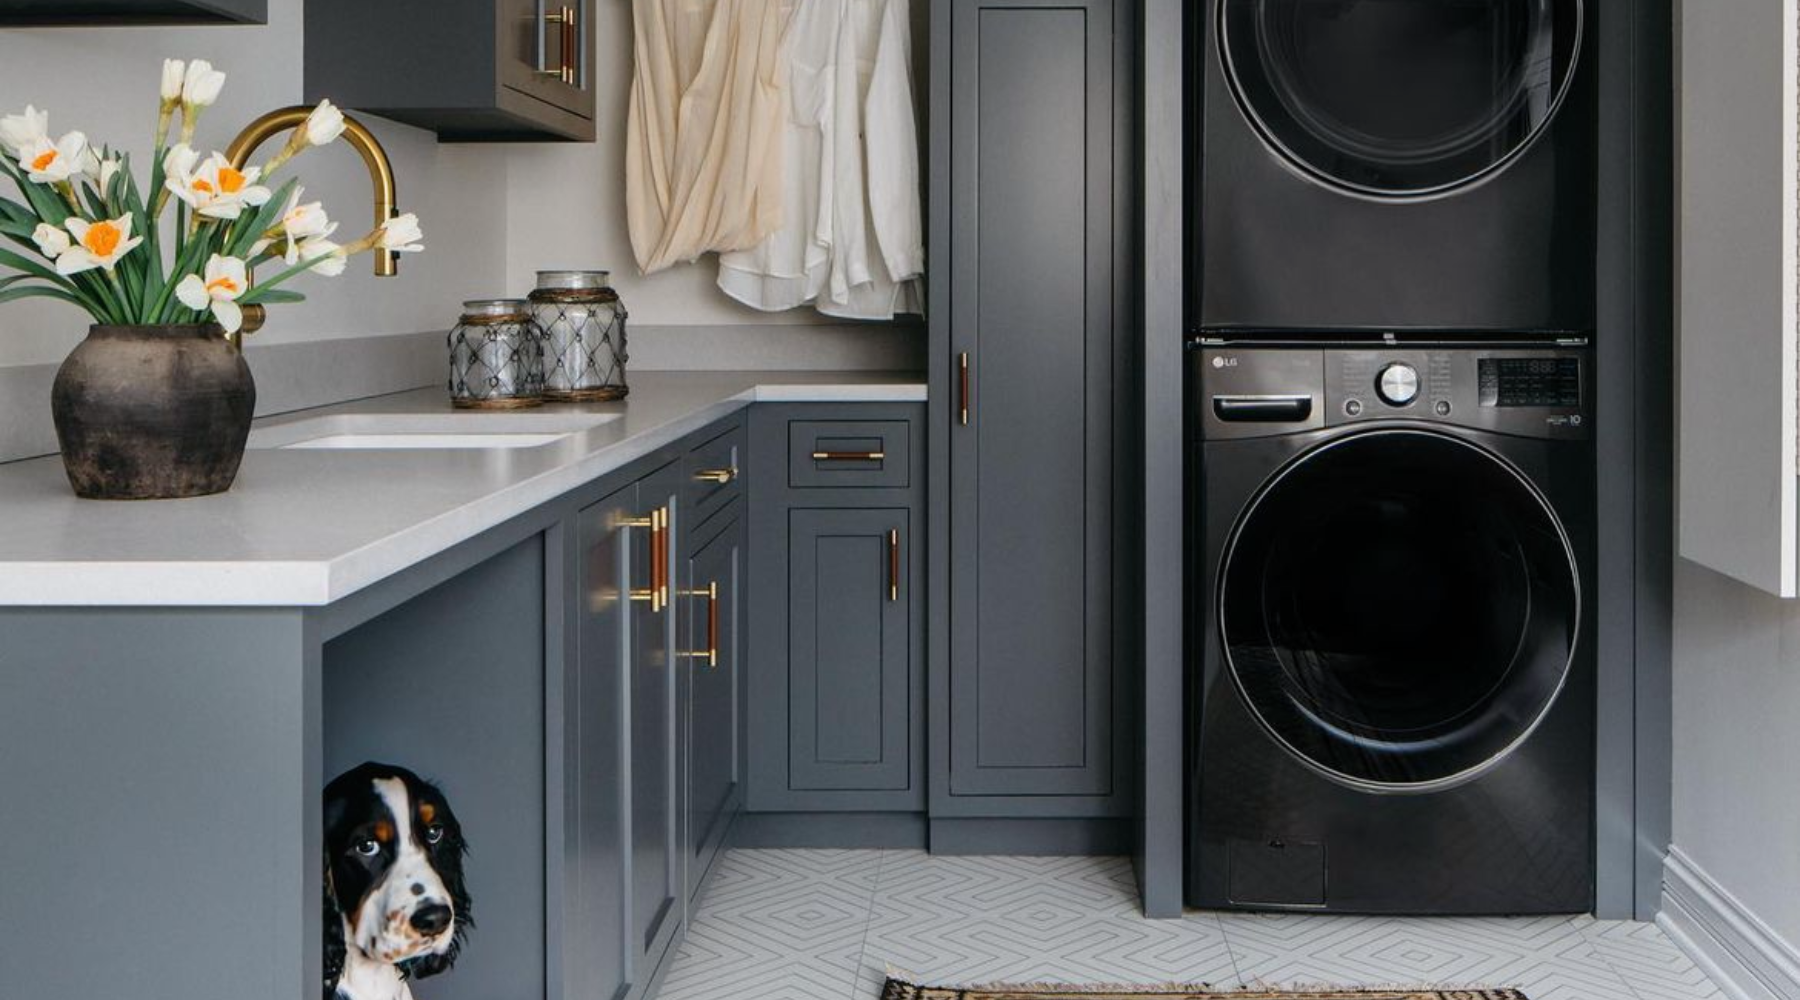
852, 242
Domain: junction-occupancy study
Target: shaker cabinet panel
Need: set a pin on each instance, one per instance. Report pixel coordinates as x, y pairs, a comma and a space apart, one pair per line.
712, 600
1032, 335
654, 690
596, 941
849, 657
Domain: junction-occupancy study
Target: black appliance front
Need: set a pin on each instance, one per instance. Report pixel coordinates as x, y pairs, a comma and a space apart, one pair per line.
1393, 691
1395, 165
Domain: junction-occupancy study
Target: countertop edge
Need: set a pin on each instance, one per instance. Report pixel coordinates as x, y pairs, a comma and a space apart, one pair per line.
305, 584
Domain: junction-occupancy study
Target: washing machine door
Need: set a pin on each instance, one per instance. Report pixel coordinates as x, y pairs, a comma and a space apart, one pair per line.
1399, 98
1399, 609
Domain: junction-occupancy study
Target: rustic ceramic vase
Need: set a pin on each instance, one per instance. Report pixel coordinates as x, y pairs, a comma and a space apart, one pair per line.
153, 412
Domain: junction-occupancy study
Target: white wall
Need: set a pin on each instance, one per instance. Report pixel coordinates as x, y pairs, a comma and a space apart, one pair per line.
1737, 741
103, 81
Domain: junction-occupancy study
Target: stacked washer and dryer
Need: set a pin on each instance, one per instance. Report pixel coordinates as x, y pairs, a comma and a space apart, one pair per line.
1392, 687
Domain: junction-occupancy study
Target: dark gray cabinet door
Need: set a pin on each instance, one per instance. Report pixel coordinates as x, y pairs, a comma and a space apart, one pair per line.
849, 661
1031, 464
657, 870
601, 952
713, 606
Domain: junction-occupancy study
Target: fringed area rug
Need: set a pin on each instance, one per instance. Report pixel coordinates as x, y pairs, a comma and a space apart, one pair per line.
897, 989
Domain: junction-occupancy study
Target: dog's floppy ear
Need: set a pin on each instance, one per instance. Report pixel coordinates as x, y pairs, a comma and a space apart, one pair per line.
333, 928
447, 858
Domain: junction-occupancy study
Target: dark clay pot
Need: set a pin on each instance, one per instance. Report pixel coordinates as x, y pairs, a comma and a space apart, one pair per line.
153, 412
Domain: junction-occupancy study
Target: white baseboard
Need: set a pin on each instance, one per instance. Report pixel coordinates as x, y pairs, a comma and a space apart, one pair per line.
1743, 955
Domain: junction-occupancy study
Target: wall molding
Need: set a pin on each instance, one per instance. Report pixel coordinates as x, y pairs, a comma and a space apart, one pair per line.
1742, 954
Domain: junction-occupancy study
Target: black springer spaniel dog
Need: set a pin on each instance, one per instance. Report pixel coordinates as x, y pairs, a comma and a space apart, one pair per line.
395, 905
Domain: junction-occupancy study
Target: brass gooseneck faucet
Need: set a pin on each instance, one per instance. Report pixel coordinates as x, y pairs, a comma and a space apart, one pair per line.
381, 173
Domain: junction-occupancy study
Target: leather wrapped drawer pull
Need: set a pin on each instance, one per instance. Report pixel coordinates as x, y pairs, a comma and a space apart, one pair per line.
847, 454
1262, 409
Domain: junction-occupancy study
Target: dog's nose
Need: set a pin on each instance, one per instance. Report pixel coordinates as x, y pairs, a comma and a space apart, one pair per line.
431, 919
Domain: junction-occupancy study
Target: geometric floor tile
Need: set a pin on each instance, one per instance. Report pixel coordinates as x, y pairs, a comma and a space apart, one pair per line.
828, 925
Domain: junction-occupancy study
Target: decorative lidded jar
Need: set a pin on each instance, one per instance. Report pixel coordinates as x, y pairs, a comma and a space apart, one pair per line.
496, 356
583, 325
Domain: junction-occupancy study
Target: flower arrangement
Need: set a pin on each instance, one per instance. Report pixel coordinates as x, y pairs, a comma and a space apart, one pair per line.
91, 237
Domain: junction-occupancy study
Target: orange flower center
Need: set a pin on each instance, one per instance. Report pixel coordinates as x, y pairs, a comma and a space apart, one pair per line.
102, 239
202, 186
44, 160
231, 181
222, 284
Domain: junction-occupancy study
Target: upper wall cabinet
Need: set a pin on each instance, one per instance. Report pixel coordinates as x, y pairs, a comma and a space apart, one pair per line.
469, 70
76, 13
1739, 310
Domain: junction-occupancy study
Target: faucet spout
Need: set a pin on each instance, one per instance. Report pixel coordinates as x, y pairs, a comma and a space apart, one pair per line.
381, 172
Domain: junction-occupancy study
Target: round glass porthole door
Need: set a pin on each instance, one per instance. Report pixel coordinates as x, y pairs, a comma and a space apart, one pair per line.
1399, 98
1399, 609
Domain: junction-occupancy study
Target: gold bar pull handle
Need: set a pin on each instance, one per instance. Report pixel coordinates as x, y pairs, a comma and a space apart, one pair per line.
711, 653
962, 364
848, 456
571, 36
660, 550
893, 564
719, 476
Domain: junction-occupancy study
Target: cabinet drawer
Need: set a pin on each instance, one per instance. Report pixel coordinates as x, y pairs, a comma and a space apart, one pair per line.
840, 454
715, 475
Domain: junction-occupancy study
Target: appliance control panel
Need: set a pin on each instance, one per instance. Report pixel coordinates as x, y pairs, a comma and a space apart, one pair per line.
1252, 390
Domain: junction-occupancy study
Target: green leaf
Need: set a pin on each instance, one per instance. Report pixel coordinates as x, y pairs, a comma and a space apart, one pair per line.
44, 292
243, 238
272, 297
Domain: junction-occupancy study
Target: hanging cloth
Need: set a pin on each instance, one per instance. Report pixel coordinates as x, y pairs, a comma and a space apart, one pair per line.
853, 241
707, 109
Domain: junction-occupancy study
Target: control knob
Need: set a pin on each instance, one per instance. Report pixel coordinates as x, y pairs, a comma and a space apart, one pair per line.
1398, 384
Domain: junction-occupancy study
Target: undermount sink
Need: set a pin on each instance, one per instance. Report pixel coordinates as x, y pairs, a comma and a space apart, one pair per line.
437, 431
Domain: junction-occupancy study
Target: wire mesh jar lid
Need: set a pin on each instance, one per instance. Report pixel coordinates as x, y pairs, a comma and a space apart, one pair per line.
495, 309
573, 281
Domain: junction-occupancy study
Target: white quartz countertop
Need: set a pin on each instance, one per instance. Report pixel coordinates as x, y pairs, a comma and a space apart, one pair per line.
309, 527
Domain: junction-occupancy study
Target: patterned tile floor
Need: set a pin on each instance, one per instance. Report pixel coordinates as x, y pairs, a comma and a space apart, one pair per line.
826, 925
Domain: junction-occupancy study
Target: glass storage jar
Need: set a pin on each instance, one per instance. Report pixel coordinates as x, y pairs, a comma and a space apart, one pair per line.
583, 325
496, 356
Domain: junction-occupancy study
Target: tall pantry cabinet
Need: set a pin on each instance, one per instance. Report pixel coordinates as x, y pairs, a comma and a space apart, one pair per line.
1032, 372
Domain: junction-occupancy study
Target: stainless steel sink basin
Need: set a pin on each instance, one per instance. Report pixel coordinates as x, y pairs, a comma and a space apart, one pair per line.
413, 431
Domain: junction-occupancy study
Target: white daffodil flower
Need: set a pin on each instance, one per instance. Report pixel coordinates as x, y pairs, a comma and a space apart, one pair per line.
47, 162
97, 244
201, 85
303, 222
223, 283
24, 130
179, 161
174, 74
218, 190
103, 171
51, 241
325, 124
327, 258
401, 234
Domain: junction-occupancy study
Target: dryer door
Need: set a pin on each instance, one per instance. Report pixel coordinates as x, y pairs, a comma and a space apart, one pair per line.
1399, 98
1399, 609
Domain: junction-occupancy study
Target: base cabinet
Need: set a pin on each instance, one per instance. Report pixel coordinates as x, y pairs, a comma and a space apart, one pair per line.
837, 708
712, 587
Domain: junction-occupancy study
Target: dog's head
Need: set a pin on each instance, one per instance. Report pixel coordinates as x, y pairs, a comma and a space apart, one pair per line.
393, 872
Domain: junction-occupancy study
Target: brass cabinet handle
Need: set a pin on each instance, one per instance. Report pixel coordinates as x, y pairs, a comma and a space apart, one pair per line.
848, 456
660, 549
893, 564
652, 593
962, 362
569, 20
711, 653
720, 476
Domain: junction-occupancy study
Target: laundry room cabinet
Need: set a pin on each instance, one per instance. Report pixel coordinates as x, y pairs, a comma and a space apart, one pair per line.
1032, 368
837, 711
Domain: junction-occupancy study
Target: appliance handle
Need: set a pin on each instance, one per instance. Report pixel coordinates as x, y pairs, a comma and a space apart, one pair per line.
1262, 409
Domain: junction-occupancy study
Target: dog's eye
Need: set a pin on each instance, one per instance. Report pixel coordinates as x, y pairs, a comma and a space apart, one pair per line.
434, 833
368, 848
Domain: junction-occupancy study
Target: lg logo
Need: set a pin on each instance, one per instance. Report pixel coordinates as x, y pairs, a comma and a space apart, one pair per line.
1221, 361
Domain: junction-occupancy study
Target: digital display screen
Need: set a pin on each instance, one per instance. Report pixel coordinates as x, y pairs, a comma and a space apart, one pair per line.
1530, 381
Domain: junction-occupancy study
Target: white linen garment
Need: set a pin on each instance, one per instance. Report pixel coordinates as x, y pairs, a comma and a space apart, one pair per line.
702, 138
852, 242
